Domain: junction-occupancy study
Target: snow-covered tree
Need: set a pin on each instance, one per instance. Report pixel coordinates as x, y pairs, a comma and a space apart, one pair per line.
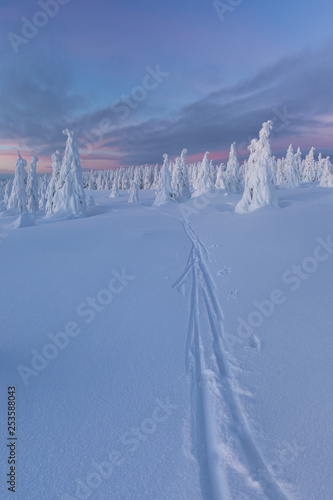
220, 184
298, 161
147, 178
115, 186
32, 186
43, 192
327, 176
156, 177
185, 183
309, 170
204, 181
179, 182
53, 184
69, 197
259, 182
8, 190
319, 167
279, 171
18, 197
291, 178
232, 178
92, 181
133, 197
164, 191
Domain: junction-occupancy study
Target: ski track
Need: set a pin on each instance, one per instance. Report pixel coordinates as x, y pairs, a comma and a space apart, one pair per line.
222, 442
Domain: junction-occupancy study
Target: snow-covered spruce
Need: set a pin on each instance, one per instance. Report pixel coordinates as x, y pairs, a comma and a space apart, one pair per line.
156, 177
204, 181
298, 161
319, 167
179, 183
327, 176
115, 186
164, 191
8, 191
69, 198
54, 182
133, 197
259, 182
290, 176
43, 191
232, 178
18, 198
219, 183
309, 169
32, 187
185, 183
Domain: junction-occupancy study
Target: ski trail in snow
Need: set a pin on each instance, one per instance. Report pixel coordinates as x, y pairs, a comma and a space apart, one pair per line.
222, 441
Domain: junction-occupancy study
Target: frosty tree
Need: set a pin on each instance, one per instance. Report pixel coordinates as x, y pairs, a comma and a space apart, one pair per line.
53, 184
69, 197
290, 177
164, 191
43, 192
184, 176
32, 187
115, 186
156, 177
8, 191
326, 177
298, 161
18, 198
259, 182
179, 181
319, 167
133, 197
309, 170
204, 181
219, 183
232, 179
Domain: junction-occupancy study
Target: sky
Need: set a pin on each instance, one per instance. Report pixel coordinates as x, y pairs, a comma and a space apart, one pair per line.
138, 79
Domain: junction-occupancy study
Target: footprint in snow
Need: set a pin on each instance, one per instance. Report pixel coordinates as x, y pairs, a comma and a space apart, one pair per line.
233, 294
224, 271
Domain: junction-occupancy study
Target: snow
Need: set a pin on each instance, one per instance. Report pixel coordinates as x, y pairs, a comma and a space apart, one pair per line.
160, 382
69, 197
260, 174
164, 193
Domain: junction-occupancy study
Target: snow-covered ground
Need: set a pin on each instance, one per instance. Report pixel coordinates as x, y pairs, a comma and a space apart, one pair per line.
155, 391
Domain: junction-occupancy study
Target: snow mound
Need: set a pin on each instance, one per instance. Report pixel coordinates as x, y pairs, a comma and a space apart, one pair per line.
24, 220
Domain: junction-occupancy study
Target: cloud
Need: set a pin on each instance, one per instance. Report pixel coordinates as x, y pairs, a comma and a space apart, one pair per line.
37, 100
296, 93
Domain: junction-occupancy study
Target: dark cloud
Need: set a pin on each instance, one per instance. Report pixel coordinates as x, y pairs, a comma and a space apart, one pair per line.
295, 93
37, 101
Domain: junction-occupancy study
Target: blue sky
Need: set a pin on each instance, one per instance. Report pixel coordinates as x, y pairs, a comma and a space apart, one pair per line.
264, 60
